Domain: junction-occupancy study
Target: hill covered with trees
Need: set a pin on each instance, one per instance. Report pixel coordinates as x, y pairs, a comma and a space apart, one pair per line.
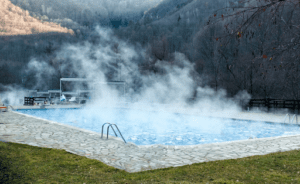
236, 45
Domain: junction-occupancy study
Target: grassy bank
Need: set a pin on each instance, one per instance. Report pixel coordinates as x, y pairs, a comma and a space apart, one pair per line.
28, 164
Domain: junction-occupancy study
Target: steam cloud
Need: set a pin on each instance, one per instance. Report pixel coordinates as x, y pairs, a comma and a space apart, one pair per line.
169, 91
13, 95
160, 93
41, 71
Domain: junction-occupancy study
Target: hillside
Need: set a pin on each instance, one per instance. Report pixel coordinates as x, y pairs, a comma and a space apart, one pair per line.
15, 21
164, 8
258, 57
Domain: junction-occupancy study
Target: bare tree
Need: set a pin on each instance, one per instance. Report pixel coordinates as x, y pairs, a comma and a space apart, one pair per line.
261, 40
206, 49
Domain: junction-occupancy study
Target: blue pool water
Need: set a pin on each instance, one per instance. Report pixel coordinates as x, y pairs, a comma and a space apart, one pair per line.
146, 128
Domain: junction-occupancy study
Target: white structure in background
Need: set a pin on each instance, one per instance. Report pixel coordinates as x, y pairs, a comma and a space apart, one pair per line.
43, 94
114, 83
54, 93
74, 93
78, 93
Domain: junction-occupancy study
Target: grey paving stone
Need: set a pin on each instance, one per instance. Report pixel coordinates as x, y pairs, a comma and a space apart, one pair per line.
130, 157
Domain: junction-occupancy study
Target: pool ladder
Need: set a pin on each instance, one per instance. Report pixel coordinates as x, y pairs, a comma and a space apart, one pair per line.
288, 115
111, 125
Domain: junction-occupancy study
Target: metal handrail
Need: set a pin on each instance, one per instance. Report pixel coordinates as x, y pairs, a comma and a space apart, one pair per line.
110, 125
118, 130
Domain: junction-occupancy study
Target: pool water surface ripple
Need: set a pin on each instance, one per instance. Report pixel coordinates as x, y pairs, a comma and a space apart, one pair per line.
148, 128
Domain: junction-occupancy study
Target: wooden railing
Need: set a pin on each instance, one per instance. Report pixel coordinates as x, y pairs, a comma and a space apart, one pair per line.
269, 103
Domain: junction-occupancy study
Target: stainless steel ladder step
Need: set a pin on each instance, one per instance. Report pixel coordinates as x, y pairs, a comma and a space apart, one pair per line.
111, 125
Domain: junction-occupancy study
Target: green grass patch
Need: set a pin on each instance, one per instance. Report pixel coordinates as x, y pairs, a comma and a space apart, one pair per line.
28, 164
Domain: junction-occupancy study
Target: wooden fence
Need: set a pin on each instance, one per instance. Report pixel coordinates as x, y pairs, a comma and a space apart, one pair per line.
293, 105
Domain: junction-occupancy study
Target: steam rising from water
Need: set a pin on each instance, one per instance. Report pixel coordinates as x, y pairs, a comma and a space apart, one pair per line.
41, 72
13, 95
172, 89
168, 92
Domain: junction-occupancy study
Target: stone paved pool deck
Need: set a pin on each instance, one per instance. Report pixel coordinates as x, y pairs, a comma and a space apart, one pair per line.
25, 129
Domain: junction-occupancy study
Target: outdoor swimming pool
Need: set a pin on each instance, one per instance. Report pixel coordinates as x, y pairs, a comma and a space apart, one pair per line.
147, 128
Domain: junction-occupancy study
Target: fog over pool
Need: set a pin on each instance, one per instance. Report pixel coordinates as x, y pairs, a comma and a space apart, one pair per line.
152, 127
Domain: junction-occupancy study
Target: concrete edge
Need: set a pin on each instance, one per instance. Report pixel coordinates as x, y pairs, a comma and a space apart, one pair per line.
69, 126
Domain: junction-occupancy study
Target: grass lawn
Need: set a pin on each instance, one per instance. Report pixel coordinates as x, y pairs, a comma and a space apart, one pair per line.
28, 164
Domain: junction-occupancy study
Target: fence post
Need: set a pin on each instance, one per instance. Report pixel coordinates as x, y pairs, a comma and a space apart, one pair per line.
267, 103
298, 105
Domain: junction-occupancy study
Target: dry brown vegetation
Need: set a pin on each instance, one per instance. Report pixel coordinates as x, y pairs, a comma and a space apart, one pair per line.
15, 21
